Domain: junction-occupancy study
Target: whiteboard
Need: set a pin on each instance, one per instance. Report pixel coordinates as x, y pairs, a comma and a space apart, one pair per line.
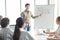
47, 18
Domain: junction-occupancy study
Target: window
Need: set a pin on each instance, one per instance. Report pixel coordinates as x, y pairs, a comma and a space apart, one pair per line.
2, 8
56, 11
52, 1
41, 2
13, 10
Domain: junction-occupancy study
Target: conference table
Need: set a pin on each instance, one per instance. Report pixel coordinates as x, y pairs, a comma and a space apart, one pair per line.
46, 37
51, 38
43, 36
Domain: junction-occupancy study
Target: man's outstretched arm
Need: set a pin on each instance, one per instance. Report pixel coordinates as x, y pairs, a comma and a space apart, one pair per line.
36, 16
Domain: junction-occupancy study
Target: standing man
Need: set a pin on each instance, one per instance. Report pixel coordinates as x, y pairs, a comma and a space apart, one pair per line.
26, 15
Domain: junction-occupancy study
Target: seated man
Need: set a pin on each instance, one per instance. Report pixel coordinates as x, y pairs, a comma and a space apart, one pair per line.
0, 19
5, 32
57, 32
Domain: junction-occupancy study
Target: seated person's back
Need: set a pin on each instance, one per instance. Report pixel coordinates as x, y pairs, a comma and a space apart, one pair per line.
25, 36
5, 32
19, 32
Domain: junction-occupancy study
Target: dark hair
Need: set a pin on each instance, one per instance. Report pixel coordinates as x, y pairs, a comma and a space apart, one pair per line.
58, 18
27, 4
4, 22
19, 24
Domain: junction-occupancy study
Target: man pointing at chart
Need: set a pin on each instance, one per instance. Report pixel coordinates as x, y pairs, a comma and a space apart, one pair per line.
26, 15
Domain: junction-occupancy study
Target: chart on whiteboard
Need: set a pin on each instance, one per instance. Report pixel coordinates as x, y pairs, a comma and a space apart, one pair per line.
47, 18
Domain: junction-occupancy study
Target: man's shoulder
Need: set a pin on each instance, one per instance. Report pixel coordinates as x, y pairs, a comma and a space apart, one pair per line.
22, 11
9, 31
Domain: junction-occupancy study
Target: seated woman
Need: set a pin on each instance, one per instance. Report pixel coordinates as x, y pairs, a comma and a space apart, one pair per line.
5, 32
19, 32
57, 32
